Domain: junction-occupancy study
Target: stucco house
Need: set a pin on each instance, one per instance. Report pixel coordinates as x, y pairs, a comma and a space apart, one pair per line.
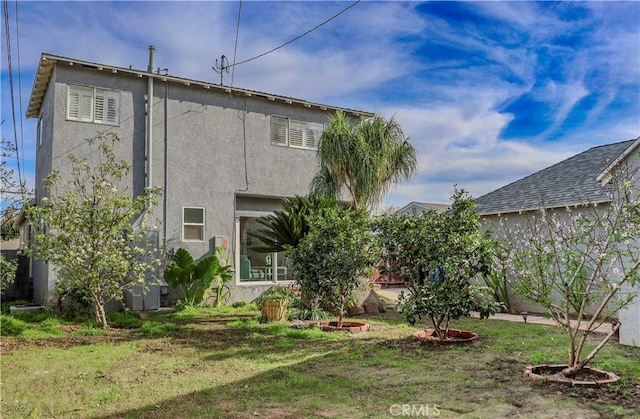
416, 208
224, 156
569, 183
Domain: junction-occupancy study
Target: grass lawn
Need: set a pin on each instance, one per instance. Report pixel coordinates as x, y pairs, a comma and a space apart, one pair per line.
225, 364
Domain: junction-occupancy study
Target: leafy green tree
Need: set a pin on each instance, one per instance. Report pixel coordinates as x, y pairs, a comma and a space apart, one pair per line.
9, 266
93, 231
194, 279
14, 192
8, 269
7, 232
439, 256
330, 259
365, 158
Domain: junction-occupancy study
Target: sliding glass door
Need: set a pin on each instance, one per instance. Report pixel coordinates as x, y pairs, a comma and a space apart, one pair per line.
255, 265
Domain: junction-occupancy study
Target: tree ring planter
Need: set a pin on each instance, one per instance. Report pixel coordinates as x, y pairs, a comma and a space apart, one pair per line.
351, 327
591, 377
456, 336
274, 310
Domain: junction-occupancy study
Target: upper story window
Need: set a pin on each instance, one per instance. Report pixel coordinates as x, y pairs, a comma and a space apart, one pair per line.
293, 133
90, 104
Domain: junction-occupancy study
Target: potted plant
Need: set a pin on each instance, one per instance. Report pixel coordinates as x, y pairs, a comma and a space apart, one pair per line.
274, 302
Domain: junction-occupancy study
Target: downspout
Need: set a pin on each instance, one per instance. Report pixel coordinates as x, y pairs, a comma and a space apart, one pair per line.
149, 144
166, 165
149, 132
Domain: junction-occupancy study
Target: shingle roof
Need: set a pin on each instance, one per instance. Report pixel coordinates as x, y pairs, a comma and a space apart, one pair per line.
427, 205
569, 182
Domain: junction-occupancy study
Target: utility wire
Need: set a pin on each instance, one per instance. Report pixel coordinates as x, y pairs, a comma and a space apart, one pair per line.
19, 84
299, 36
235, 48
5, 6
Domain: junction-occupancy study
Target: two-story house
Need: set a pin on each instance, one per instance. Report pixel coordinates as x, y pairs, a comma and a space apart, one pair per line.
224, 156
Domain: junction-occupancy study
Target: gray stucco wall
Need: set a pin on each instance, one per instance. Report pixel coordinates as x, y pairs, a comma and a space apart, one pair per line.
42, 272
209, 148
519, 303
218, 150
630, 319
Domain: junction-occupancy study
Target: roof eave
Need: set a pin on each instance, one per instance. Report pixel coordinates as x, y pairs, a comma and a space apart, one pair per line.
554, 207
606, 174
48, 62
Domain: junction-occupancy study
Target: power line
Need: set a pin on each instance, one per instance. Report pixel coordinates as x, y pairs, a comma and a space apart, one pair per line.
5, 6
299, 36
19, 82
235, 48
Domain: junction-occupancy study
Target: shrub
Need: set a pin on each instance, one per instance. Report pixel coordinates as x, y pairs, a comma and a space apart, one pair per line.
330, 259
439, 255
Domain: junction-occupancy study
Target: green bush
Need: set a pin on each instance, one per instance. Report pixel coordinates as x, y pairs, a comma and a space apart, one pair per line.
11, 326
439, 255
277, 292
124, 319
329, 261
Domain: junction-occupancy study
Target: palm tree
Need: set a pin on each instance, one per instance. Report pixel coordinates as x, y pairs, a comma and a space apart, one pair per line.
365, 159
289, 226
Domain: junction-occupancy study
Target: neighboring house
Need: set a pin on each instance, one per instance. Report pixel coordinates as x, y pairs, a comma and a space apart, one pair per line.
224, 156
574, 181
20, 288
415, 208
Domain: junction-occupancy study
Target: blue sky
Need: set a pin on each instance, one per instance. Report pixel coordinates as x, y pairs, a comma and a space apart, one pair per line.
489, 92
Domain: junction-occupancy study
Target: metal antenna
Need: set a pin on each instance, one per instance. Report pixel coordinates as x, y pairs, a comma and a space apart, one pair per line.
222, 68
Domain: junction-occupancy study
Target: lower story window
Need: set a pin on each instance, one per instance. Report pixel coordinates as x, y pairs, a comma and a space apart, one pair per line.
255, 265
192, 224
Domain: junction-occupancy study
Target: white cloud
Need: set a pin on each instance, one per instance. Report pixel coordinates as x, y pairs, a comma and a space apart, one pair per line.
373, 58
462, 146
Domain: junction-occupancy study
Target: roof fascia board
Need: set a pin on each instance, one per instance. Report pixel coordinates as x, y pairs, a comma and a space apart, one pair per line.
606, 174
31, 110
555, 207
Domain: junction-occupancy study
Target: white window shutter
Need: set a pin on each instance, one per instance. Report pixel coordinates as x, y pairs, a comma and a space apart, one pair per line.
313, 134
112, 110
99, 109
86, 105
93, 105
73, 105
279, 130
296, 134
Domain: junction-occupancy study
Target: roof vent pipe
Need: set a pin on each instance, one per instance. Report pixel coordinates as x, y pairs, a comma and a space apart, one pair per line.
152, 58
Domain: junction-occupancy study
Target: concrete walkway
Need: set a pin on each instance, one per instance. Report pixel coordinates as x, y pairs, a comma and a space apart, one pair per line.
392, 295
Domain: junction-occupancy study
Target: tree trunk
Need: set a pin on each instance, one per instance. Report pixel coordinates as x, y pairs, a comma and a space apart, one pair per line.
101, 316
341, 315
578, 364
436, 326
